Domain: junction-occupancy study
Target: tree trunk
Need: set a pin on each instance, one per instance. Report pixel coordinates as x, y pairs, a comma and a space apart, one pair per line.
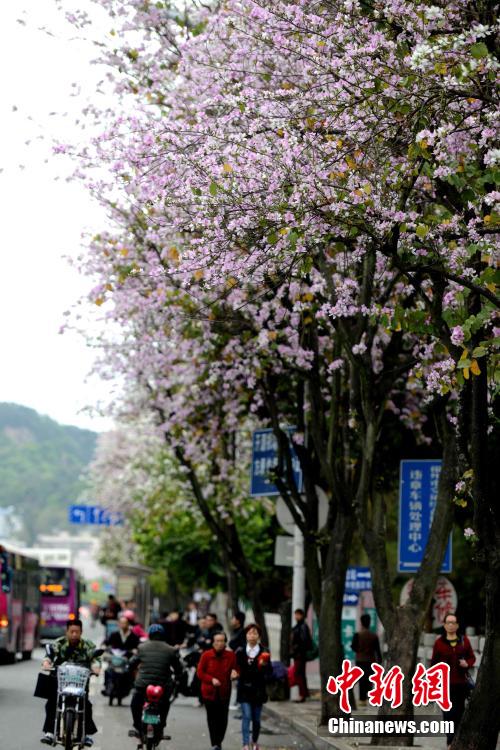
403, 646
330, 616
232, 585
480, 725
258, 610
404, 624
286, 629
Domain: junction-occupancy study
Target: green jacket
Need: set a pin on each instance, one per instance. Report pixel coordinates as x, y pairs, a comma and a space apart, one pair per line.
82, 654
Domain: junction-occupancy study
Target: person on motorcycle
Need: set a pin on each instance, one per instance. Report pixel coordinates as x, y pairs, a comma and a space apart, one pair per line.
123, 639
73, 648
159, 664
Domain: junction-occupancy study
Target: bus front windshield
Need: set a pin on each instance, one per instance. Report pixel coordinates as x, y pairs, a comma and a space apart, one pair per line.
55, 582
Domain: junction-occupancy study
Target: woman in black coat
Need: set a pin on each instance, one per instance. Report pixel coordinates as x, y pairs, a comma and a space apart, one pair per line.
254, 667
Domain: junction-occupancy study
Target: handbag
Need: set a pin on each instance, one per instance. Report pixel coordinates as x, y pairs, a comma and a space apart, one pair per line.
46, 686
313, 652
469, 682
292, 676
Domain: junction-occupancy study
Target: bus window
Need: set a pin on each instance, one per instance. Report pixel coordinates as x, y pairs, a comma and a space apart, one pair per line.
5, 573
55, 582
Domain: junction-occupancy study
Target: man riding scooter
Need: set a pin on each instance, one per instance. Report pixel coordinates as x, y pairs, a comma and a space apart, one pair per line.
159, 665
122, 644
70, 648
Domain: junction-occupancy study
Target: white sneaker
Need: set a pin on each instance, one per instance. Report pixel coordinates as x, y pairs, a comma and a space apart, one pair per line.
48, 738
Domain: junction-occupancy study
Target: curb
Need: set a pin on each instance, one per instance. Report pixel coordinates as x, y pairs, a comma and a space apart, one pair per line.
324, 743
320, 743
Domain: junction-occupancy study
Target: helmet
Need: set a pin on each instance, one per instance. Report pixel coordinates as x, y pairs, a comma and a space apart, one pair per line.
154, 693
129, 614
156, 629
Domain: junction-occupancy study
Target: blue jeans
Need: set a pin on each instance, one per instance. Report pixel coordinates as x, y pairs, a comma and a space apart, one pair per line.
250, 713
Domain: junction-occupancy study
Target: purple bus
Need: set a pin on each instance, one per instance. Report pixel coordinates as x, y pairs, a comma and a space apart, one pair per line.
60, 590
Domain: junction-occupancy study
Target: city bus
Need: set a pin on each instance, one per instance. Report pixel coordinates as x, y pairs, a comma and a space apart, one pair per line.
19, 604
60, 590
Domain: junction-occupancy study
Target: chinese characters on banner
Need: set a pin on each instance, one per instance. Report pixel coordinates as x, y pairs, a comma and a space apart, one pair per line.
418, 491
428, 685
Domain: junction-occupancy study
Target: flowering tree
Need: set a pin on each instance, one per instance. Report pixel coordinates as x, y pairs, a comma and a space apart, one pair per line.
311, 201
134, 472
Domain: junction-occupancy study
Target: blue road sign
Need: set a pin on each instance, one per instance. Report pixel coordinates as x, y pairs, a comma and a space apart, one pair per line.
418, 490
358, 579
77, 514
265, 458
350, 599
94, 515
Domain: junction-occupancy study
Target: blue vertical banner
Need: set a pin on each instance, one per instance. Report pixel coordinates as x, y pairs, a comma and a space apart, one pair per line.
265, 458
418, 491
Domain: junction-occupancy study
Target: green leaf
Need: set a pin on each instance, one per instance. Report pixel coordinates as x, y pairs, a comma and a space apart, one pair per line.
421, 231
213, 189
272, 238
479, 351
479, 50
196, 191
463, 364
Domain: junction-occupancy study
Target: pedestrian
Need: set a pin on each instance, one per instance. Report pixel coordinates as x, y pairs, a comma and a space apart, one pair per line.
301, 643
158, 664
366, 646
175, 629
191, 614
254, 667
211, 627
110, 610
238, 639
454, 649
216, 669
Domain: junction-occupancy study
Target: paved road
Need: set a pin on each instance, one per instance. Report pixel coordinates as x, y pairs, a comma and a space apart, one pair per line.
21, 718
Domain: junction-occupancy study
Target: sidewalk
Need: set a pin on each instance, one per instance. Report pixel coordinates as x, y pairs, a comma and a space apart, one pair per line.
304, 719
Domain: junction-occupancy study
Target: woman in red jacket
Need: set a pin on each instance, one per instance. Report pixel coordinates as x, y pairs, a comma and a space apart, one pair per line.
455, 650
216, 668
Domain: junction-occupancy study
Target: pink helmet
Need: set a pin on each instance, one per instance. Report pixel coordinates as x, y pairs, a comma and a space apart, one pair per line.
129, 614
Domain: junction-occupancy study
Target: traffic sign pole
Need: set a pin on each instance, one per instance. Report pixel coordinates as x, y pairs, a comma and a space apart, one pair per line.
299, 573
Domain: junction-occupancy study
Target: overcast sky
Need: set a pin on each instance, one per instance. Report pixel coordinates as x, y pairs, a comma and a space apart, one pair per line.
42, 217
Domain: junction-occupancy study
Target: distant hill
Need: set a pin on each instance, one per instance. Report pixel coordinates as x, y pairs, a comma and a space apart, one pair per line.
41, 464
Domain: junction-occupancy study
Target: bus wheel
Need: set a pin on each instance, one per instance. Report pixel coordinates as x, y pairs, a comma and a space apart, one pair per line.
26, 655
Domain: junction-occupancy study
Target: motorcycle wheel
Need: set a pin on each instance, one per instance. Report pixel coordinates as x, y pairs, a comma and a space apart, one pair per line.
69, 722
110, 700
150, 743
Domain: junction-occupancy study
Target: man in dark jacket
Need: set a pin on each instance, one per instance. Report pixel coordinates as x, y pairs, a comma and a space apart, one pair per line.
366, 646
175, 628
238, 639
125, 640
456, 651
216, 669
158, 664
301, 643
